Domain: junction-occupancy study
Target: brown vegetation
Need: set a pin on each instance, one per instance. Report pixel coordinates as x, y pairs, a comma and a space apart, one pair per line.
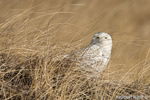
35, 34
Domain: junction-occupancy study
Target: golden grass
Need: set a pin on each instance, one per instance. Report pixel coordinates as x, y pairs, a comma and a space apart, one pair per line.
34, 35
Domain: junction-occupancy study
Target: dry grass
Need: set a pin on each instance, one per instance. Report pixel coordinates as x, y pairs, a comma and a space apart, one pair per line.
35, 34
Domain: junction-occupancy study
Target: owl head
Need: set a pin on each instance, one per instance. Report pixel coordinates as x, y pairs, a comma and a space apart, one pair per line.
102, 39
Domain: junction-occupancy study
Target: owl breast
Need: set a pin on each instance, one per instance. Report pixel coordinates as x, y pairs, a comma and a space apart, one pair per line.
94, 57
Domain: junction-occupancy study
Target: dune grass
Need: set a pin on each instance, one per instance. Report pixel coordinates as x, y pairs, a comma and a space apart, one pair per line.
34, 36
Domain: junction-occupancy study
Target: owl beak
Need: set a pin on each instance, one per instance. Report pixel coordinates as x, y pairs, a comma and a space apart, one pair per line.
97, 37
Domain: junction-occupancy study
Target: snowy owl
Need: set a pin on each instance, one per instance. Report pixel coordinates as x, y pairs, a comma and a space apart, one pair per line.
97, 55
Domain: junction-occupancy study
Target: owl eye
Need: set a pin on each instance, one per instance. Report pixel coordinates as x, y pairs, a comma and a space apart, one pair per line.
106, 37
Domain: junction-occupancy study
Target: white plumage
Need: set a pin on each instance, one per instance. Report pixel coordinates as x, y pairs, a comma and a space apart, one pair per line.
97, 55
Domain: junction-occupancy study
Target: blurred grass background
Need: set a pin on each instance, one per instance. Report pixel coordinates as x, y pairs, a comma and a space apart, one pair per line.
64, 26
